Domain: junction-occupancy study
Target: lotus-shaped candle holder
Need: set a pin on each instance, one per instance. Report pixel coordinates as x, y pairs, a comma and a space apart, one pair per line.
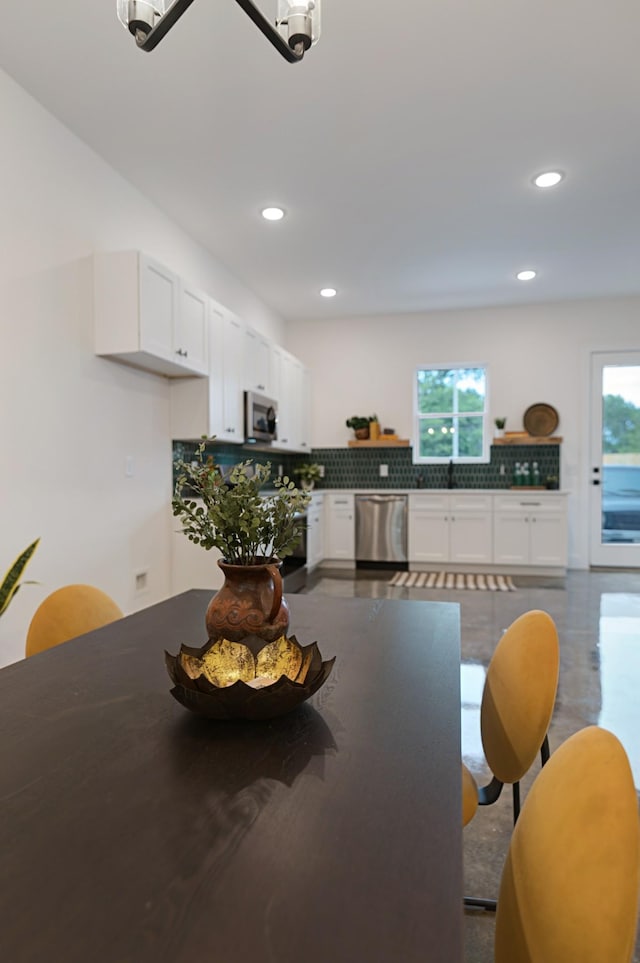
252, 679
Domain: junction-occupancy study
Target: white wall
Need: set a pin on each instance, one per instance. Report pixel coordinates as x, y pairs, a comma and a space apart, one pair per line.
534, 354
68, 418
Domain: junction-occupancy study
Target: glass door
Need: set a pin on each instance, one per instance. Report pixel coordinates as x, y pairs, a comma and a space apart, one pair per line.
615, 465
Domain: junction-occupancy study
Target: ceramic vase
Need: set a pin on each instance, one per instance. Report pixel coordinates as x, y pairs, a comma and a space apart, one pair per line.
249, 603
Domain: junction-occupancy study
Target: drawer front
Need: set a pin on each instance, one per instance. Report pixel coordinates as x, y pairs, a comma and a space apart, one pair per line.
529, 503
471, 503
432, 503
345, 500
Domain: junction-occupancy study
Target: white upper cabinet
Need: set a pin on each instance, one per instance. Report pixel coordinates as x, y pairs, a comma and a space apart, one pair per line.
258, 363
227, 374
291, 389
145, 316
305, 408
214, 407
192, 327
284, 395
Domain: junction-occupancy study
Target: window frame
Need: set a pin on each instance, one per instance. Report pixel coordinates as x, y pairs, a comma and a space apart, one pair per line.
485, 457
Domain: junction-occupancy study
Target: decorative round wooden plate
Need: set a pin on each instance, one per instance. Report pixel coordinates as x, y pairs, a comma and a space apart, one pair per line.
540, 420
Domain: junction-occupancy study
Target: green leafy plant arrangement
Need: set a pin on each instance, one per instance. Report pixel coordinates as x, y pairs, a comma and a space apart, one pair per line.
11, 582
308, 472
358, 421
246, 527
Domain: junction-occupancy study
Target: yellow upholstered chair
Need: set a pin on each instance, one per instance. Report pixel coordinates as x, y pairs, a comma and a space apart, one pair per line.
517, 704
68, 612
569, 890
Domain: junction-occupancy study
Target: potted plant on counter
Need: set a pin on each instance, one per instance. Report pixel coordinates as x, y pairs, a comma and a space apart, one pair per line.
252, 531
309, 474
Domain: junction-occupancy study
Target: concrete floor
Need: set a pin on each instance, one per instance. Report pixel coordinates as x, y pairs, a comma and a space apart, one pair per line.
597, 615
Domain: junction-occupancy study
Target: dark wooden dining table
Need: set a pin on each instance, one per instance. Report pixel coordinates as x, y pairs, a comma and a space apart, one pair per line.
132, 831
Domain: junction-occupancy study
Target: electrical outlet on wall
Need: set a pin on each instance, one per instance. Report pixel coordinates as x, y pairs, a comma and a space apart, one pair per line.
384, 471
321, 467
141, 581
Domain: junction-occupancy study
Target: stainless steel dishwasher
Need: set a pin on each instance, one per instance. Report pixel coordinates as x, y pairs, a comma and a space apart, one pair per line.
381, 528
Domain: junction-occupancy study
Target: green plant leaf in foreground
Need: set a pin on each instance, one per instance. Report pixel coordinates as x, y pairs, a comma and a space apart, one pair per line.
11, 581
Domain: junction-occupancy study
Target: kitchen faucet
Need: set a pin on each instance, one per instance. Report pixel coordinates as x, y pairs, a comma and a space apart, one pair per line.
450, 481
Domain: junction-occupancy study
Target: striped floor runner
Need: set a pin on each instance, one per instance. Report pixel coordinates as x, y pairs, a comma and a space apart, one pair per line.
453, 580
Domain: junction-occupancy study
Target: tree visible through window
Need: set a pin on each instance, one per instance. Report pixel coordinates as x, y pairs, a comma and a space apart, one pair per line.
451, 414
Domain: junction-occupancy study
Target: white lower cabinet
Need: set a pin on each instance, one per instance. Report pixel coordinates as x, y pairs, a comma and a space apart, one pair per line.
340, 527
530, 530
450, 528
315, 532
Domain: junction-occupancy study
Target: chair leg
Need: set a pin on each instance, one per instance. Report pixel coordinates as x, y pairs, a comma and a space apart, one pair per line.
488, 795
544, 751
477, 903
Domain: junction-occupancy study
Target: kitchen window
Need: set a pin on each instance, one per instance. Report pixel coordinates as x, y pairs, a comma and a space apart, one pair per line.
451, 414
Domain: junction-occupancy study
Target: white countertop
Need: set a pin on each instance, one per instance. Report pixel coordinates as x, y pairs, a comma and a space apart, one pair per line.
438, 491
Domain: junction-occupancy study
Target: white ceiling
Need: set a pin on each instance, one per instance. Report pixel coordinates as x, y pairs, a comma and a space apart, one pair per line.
402, 147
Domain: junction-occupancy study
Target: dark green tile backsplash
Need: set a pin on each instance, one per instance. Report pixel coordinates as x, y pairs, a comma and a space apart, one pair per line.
359, 467
228, 455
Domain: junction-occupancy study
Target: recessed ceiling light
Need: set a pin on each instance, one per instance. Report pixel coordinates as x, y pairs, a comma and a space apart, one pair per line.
328, 292
525, 275
548, 178
273, 213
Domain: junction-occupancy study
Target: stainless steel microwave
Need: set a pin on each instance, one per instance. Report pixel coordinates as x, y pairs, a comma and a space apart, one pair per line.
260, 417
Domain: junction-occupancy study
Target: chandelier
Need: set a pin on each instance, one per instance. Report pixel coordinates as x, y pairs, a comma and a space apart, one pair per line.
297, 24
